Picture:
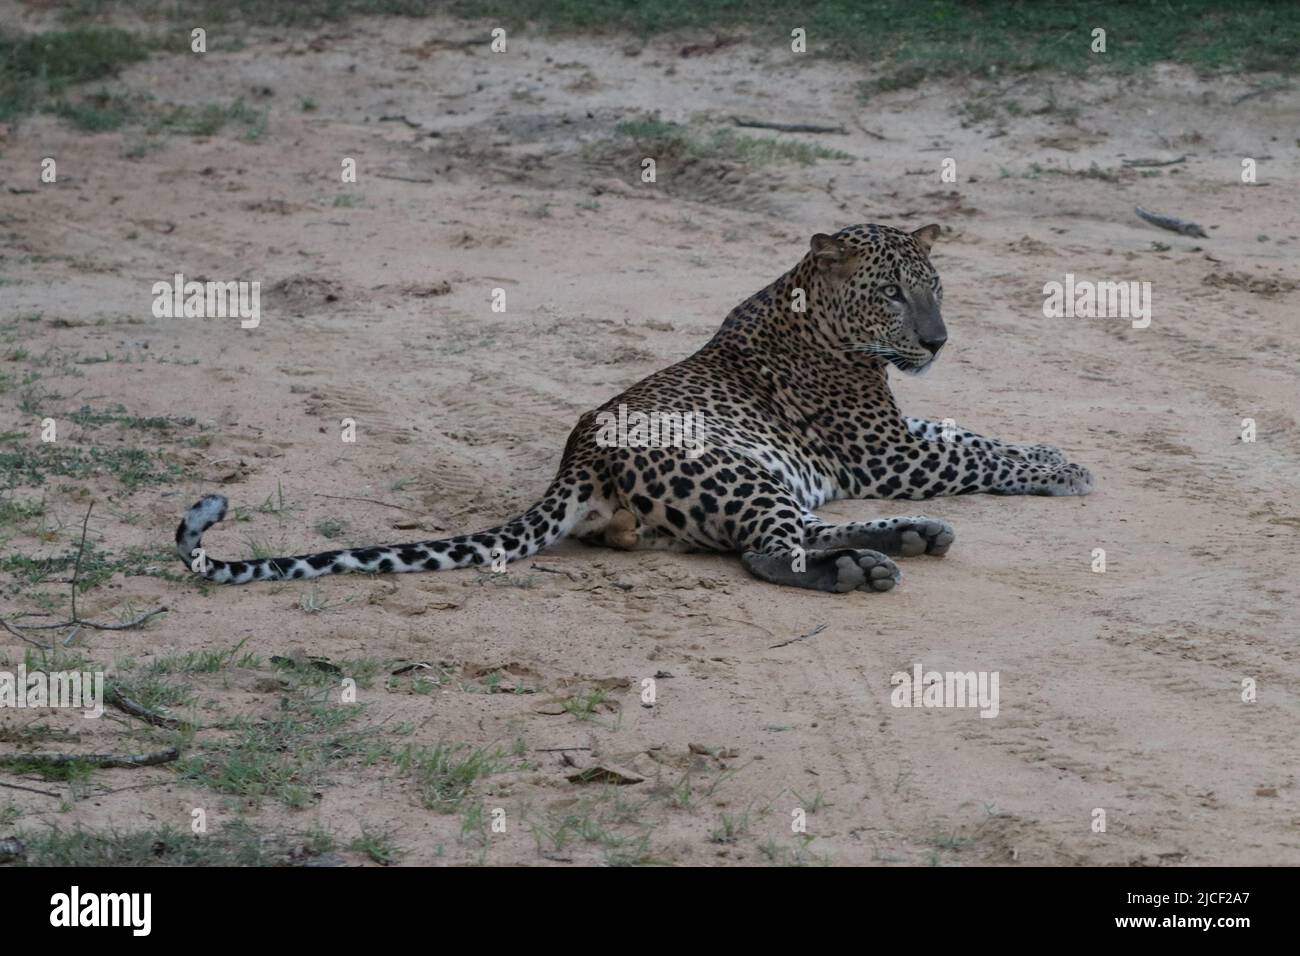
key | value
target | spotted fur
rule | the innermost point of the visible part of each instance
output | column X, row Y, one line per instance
column 793, row 396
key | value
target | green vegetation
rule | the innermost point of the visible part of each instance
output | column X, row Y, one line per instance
column 607, row 821
column 915, row 39
column 287, row 757
column 99, row 112
column 587, row 705
column 133, row 467
column 378, row 845
column 37, row 72
column 236, row 844
column 87, row 416
column 96, row 566
column 38, row 68
column 331, row 528
column 210, row 119
column 908, row 40
column 445, row 774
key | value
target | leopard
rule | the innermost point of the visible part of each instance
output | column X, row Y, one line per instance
column 790, row 407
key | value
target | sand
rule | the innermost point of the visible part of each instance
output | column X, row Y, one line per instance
column 1119, row 691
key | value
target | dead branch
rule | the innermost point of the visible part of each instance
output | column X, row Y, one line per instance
column 125, row 626
column 1262, row 91
column 815, row 631
column 18, row 786
column 404, row 179
column 1180, row 226
column 695, row 49
column 124, row 703
column 733, row 620
column 22, row 636
column 371, row 500
column 1154, row 162
column 75, row 622
column 788, row 127
column 94, row 760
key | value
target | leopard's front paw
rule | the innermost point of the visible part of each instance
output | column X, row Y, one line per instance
column 863, row 570
column 926, row 536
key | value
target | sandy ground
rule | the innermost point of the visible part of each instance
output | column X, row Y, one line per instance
column 1119, row 690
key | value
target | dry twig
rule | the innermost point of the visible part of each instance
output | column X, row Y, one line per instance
column 124, row 703
column 94, row 760
column 1154, row 162
column 815, row 631
column 75, row 622
column 1180, row 226
column 788, row 127
column 371, row 500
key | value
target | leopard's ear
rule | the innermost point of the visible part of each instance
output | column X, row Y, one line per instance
column 827, row 251
column 926, row 235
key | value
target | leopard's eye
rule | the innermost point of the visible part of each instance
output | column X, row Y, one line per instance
column 893, row 292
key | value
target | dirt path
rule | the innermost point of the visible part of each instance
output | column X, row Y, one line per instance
column 1119, row 690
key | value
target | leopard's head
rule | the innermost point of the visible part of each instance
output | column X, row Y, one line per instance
column 878, row 297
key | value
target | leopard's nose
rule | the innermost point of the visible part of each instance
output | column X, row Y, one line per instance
column 934, row 344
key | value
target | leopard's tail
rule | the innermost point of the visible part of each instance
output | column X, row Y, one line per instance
column 540, row 526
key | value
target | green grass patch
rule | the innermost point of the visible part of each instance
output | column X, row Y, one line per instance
column 37, row 68
column 607, row 821
column 730, row 828
column 15, row 512
column 236, row 844
column 98, row 113
column 257, row 12
column 40, row 72
column 908, row 40
column 97, row 566
column 154, row 692
column 287, row 757
column 331, row 528
column 74, row 772
column 204, row 662
column 915, row 39
column 446, row 774
column 586, row 705
column 378, row 845
column 31, row 465
column 88, row 417
column 319, row 673
column 210, row 119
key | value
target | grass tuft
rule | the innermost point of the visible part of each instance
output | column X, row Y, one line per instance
column 39, row 67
